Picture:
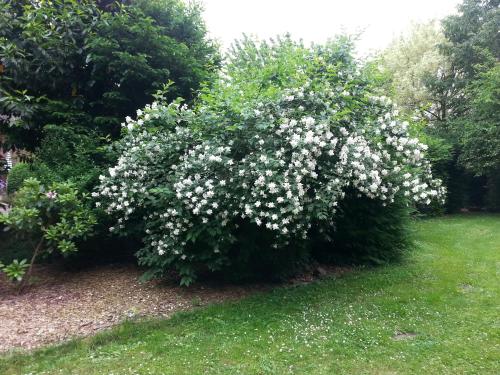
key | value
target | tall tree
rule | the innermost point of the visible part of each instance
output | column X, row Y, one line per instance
column 87, row 64
column 472, row 46
column 410, row 64
column 474, row 50
column 480, row 129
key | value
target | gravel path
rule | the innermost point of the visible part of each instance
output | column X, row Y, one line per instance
column 62, row 305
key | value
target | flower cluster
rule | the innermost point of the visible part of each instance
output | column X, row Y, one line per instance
column 283, row 165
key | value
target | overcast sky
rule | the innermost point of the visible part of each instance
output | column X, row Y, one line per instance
column 318, row 20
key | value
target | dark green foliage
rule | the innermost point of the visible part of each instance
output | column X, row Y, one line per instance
column 479, row 130
column 366, row 232
column 14, row 246
column 493, row 191
column 138, row 49
column 469, row 98
column 473, row 35
column 72, row 70
column 65, row 154
column 42, row 47
column 73, row 154
column 69, row 63
column 472, row 47
column 18, row 173
column 22, row 171
column 464, row 190
column 474, row 50
column 252, row 256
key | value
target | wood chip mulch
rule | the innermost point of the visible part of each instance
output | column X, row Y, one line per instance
column 62, row 305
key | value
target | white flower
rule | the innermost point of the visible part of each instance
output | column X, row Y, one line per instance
column 309, row 137
column 281, row 177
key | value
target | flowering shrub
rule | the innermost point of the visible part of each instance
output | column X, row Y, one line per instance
column 272, row 147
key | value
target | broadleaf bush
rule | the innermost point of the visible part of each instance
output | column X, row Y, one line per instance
column 254, row 173
column 53, row 218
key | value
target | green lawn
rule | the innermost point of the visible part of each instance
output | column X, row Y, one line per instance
column 445, row 297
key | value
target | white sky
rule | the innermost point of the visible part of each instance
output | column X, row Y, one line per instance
column 318, row 20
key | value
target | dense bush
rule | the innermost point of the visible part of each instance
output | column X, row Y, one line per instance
column 57, row 214
column 366, row 232
column 24, row 170
column 73, row 154
column 268, row 153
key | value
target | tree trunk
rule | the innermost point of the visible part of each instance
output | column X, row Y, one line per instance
column 27, row 276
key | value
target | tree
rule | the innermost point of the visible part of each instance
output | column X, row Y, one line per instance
column 474, row 49
column 429, row 69
column 442, row 74
column 410, row 64
column 81, row 64
column 406, row 72
column 473, row 37
column 472, row 46
column 480, row 138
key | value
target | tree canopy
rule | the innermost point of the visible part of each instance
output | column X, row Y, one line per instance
column 409, row 63
column 88, row 64
column 448, row 74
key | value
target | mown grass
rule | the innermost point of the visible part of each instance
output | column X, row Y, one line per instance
column 443, row 301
